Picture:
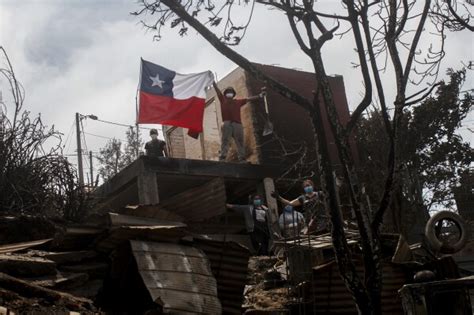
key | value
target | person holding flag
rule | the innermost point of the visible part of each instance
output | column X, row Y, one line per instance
column 231, row 121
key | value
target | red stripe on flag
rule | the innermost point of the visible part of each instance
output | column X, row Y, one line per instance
column 155, row 109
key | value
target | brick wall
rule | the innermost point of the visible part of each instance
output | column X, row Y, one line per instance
column 211, row 133
column 175, row 142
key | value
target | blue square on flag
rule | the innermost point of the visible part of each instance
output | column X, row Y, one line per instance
column 156, row 79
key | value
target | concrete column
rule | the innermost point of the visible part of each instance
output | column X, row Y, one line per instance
column 147, row 188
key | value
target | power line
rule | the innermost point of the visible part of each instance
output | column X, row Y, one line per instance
column 120, row 124
column 68, row 138
column 103, row 137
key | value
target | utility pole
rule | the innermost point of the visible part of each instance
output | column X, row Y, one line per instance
column 92, row 168
column 79, row 150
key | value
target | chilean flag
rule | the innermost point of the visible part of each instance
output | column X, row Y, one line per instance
column 170, row 98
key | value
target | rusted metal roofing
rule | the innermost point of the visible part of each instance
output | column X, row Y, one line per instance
column 332, row 296
column 199, row 203
column 178, row 277
column 229, row 264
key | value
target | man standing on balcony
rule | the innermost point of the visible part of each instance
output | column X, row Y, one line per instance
column 155, row 147
column 232, row 123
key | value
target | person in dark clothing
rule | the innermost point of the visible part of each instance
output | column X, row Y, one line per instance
column 313, row 208
column 155, row 147
column 256, row 222
column 232, row 124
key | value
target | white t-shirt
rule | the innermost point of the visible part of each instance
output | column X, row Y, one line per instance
column 260, row 215
column 291, row 221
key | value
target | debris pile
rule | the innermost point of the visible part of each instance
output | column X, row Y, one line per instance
column 305, row 278
column 123, row 263
column 266, row 290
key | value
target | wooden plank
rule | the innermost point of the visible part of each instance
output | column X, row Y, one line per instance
column 272, row 203
column 10, row 248
column 70, row 257
column 152, row 211
column 54, row 297
column 207, row 168
column 116, row 219
column 24, row 266
column 61, row 280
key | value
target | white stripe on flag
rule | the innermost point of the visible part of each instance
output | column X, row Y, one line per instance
column 189, row 85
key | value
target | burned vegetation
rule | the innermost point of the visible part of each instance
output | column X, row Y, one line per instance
column 35, row 178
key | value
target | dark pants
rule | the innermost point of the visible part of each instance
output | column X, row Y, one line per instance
column 259, row 238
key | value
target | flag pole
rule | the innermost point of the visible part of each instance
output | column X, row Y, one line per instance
column 137, row 152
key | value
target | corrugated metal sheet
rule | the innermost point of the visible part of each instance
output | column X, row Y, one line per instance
column 229, row 264
column 333, row 297
column 199, row 203
column 178, row 277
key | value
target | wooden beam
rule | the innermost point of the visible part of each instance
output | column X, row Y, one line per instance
column 269, row 187
column 207, row 168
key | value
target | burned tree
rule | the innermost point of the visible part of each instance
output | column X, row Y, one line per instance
column 385, row 33
column 35, row 178
column 432, row 158
column 113, row 157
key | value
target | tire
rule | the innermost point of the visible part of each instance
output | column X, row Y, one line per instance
column 439, row 246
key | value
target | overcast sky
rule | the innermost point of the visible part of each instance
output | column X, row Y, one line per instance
column 83, row 56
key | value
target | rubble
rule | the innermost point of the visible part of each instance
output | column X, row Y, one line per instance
column 20, row 265
column 257, row 296
column 130, row 264
column 48, row 297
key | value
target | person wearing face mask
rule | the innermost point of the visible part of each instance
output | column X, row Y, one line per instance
column 313, row 208
column 255, row 216
column 291, row 222
column 155, row 147
column 232, row 123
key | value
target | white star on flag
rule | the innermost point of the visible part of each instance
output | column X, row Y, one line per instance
column 156, row 81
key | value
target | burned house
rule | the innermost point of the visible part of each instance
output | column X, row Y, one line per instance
column 293, row 134
column 192, row 187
